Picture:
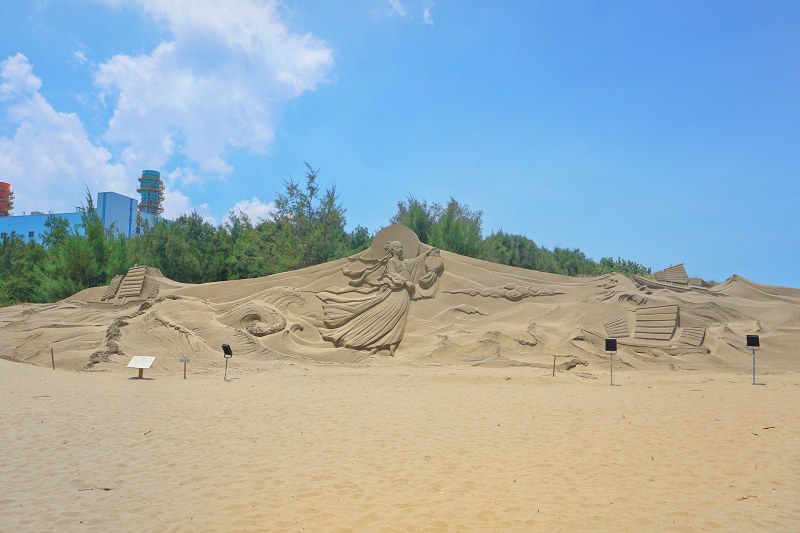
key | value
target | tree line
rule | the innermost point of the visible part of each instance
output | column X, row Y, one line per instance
column 307, row 228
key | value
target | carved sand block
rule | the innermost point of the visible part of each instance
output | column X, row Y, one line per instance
column 673, row 278
column 617, row 329
column 693, row 336
column 674, row 274
column 656, row 322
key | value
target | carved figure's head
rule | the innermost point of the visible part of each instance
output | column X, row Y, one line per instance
column 395, row 248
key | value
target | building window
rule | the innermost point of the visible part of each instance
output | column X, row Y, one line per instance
column 30, row 235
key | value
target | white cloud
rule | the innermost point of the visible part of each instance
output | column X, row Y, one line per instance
column 423, row 7
column 427, row 16
column 49, row 158
column 219, row 84
column 255, row 209
column 398, row 7
column 17, row 79
column 176, row 203
column 79, row 56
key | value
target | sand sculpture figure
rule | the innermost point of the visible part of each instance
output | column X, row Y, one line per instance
column 371, row 313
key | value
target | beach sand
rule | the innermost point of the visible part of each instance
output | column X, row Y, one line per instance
column 287, row 446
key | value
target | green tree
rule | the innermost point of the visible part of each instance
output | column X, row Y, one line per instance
column 310, row 227
column 457, row 229
column 607, row 265
column 359, row 239
column 56, row 231
column 417, row 215
column 166, row 246
column 75, row 259
column 20, row 269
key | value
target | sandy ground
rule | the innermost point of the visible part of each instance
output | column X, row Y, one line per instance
column 290, row 447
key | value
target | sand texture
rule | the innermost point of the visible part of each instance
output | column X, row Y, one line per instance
column 292, row 447
column 494, row 413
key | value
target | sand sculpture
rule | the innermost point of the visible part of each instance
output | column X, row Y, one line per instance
column 417, row 303
column 372, row 315
column 137, row 284
column 673, row 278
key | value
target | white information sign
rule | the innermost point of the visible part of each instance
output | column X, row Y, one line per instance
column 141, row 361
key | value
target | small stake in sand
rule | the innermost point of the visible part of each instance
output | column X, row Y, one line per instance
column 754, row 344
column 226, row 350
column 183, row 359
column 141, row 362
column 554, row 365
column 611, row 349
column 53, row 358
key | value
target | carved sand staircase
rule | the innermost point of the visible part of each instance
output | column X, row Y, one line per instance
column 112, row 288
column 133, row 283
column 136, row 285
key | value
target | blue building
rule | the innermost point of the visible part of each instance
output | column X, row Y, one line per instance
column 32, row 226
column 118, row 212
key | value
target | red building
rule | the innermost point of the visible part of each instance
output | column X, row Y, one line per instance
column 6, row 199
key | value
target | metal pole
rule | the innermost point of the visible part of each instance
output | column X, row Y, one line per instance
column 226, row 370
column 754, row 366
column 612, row 368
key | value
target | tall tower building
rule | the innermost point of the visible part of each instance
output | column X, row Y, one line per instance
column 6, row 199
column 152, row 190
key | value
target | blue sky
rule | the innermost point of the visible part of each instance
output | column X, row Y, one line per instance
column 662, row 132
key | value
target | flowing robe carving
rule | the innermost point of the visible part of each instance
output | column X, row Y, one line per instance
column 373, row 316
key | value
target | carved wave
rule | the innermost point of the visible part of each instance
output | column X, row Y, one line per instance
column 509, row 291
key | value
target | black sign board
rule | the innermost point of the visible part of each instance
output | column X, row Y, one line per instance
column 611, row 345
column 226, row 349
column 752, row 341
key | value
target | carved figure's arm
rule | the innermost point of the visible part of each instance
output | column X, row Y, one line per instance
column 395, row 277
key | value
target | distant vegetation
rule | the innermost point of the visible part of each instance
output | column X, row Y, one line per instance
column 308, row 228
column 456, row 228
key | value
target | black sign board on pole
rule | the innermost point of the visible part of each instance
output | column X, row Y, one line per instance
column 611, row 349
column 611, row 345
column 753, row 342
column 226, row 350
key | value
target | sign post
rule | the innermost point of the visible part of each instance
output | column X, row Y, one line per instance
column 754, row 344
column 611, row 349
column 228, row 353
column 141, row 362
column 184, row 360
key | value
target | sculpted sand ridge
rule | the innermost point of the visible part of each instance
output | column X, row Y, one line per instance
column 405, row 299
